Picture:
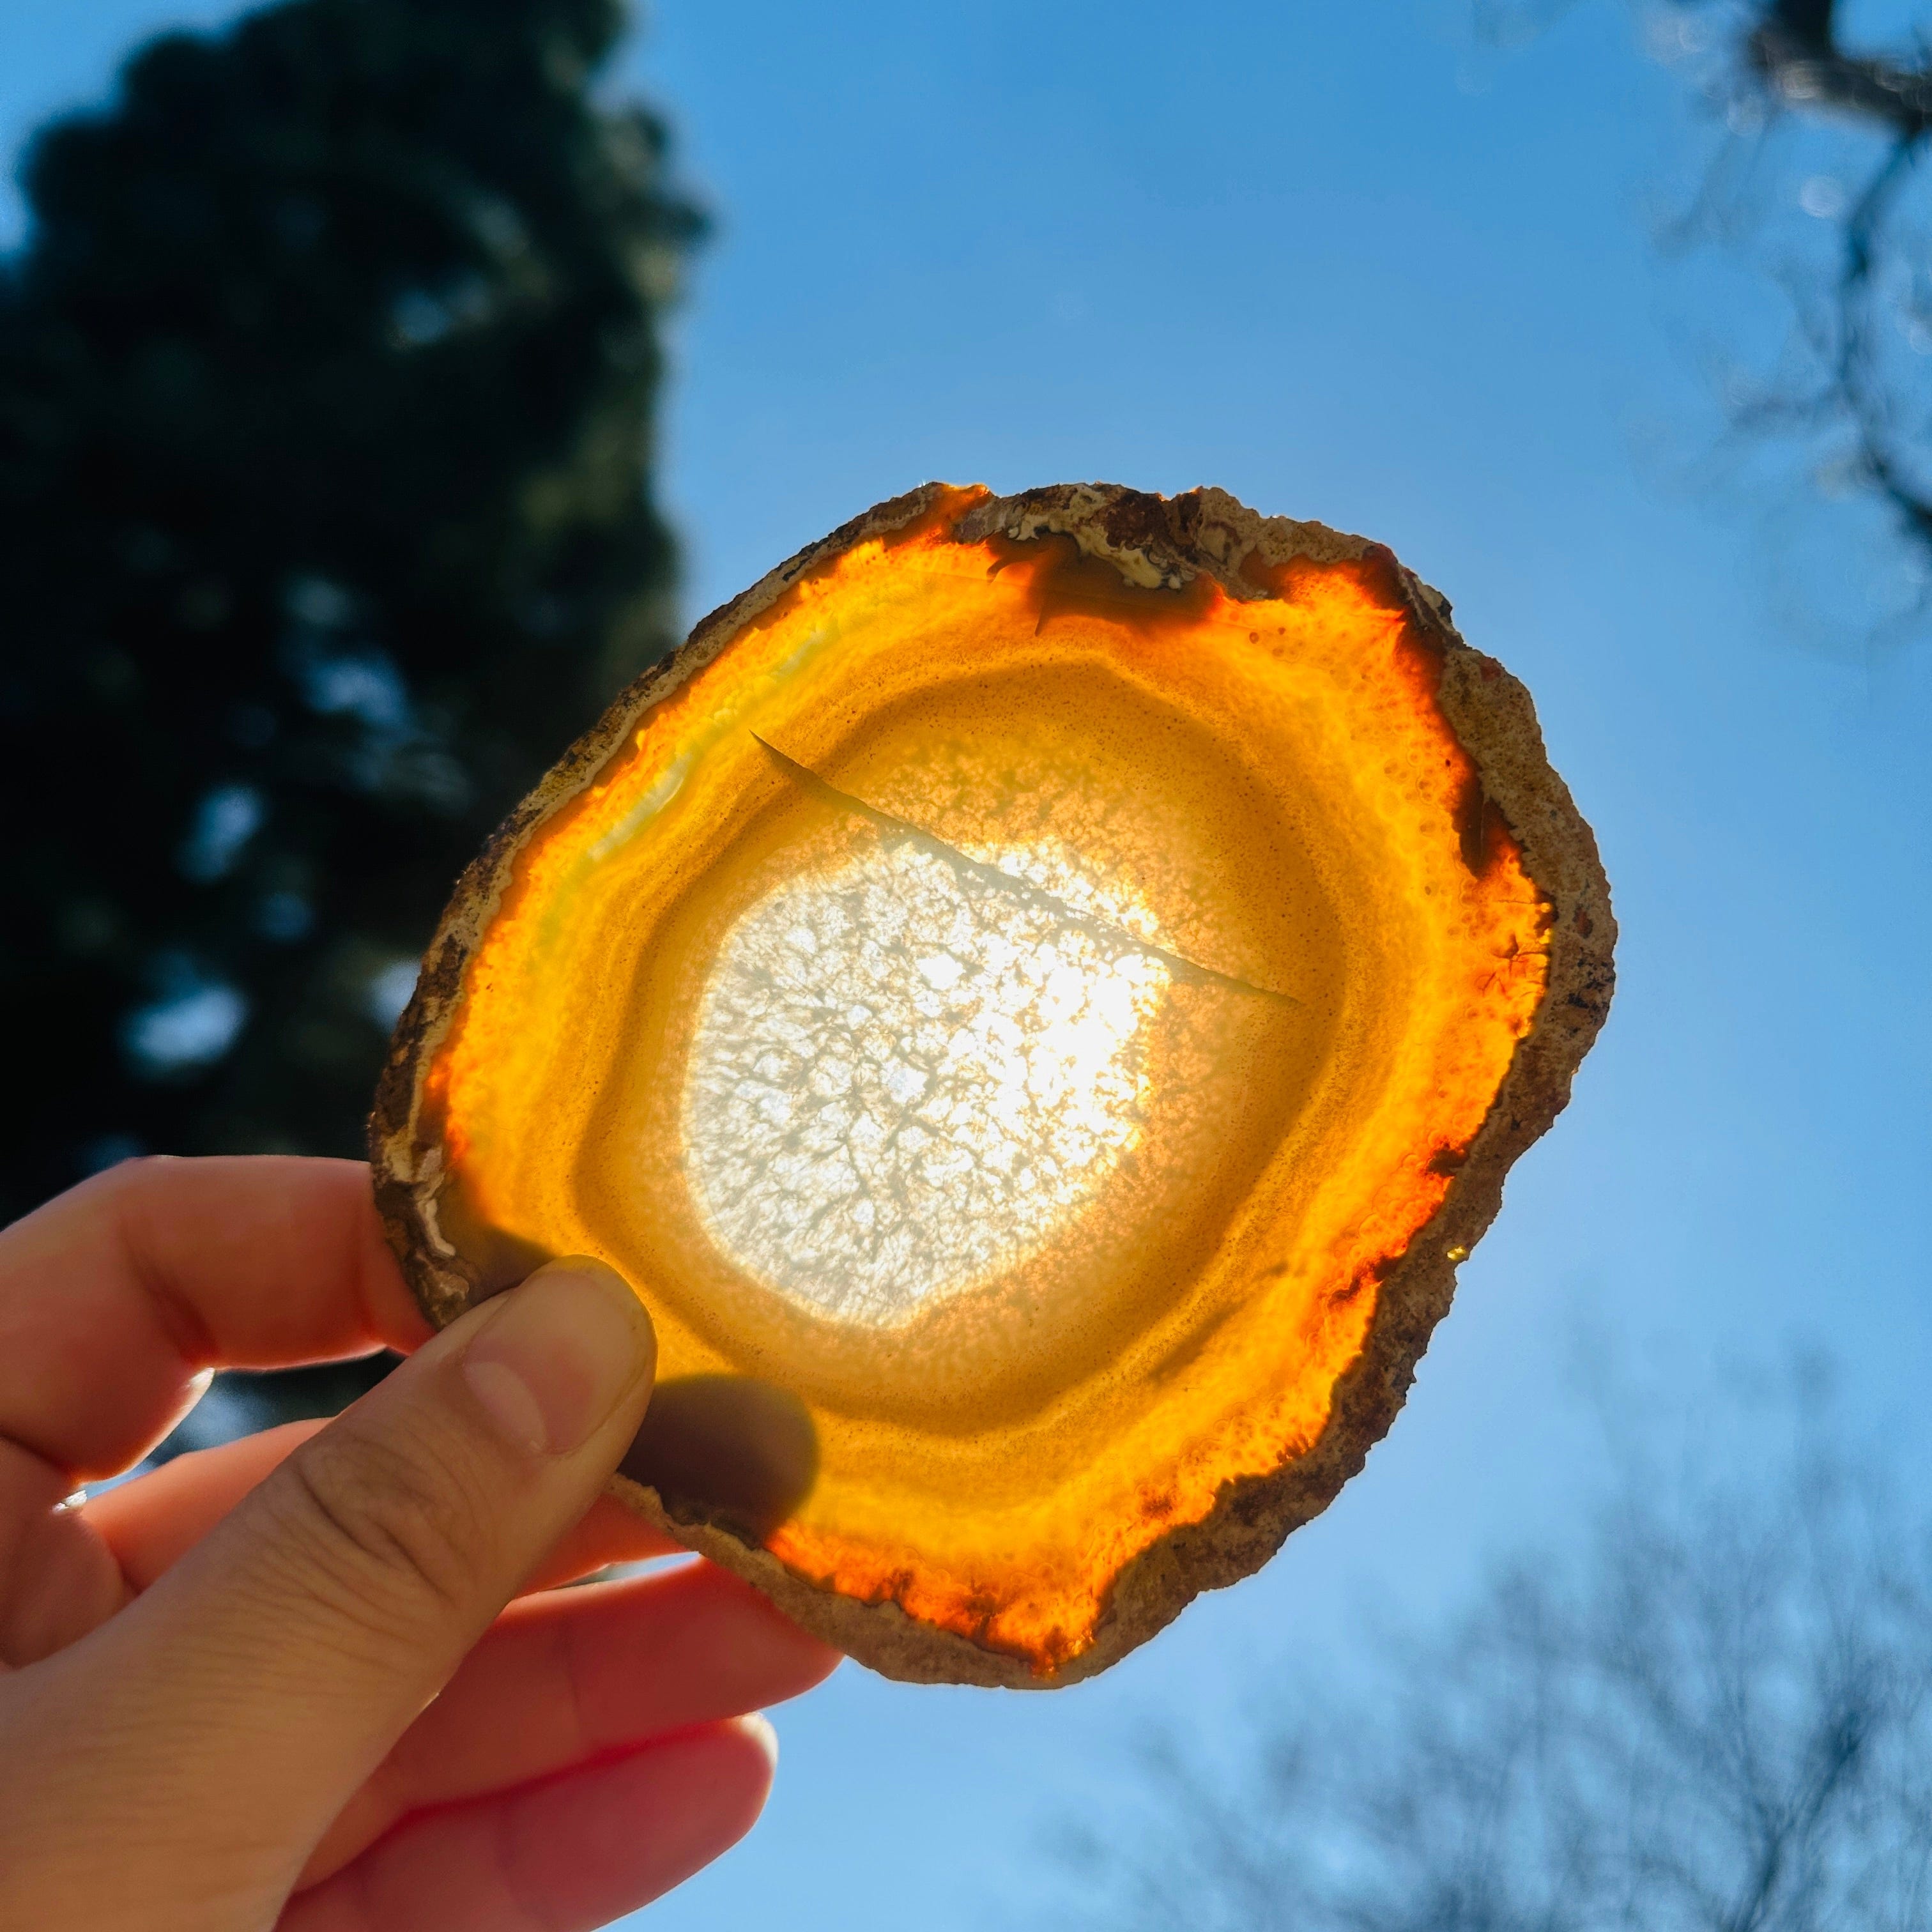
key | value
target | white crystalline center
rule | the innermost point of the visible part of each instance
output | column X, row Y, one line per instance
column 907, row 1074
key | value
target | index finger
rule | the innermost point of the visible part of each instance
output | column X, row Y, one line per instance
column 114, row 1296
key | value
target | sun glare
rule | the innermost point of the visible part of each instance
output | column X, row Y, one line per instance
column 908, row 1074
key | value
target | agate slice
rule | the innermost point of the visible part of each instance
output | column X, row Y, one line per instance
column 1038, row 995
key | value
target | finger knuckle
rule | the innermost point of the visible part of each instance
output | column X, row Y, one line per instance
column 381, row 1526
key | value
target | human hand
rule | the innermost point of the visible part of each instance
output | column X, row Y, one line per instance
column 275, row 1684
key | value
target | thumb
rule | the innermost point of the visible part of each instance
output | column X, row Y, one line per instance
column 271, row 1670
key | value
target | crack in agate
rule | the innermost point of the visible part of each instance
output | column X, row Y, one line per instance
column 1053, row 876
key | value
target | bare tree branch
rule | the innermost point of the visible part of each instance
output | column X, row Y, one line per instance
column 1719, row 1719
column 1795, row 50
column 1853, row 387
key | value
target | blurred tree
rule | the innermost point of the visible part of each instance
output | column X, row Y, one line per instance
column 327, row 373
column 1718, row 1719
column 1820, row 165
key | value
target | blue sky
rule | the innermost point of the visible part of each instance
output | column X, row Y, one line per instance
column 1342, row 263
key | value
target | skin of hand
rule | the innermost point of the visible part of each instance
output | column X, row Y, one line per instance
column 320, row 1679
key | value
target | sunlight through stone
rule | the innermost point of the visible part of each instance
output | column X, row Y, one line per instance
column 907, row 1074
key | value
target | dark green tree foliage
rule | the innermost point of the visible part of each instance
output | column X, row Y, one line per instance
column 326, row 376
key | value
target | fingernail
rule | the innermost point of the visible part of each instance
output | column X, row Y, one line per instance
column 550, row 1368
column 757, row 1726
